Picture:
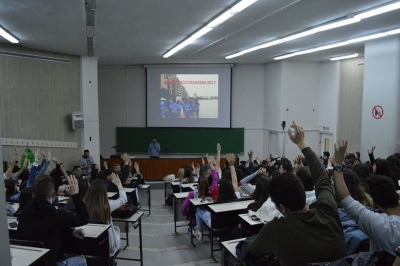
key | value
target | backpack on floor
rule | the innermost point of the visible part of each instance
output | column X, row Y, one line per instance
column 246, row 259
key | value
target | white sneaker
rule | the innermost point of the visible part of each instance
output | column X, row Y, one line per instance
column 198, row 234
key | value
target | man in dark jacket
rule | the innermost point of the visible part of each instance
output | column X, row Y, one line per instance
column 40, row 221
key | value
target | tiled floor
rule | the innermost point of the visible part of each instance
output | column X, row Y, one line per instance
column 160, row 244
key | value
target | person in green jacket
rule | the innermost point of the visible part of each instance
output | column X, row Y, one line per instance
column 305, row 234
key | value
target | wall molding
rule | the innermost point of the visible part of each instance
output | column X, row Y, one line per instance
column 39, row 143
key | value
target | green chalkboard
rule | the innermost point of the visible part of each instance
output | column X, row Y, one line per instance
column 181, row 140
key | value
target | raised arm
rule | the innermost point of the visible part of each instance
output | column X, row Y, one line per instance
column 12, row 164
column 218, row 161
column 25, row 156
column 115, row 204
column 340, row 186
column 371, row 155
column 250, row 162
column 231, row 160
column 323, row 189
column 245, row 181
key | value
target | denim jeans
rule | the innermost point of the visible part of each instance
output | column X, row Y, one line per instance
column 73, row 261
column 202, row 216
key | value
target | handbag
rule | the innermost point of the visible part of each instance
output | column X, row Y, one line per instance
column 124, row 211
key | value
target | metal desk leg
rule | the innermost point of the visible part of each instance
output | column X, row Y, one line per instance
column 127, row 234
column 140, row 241
column 148, row 191
column 191, row 228
column 174, row 209
column 165, row 193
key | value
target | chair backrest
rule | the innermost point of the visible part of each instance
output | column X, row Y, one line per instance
column 28, row 243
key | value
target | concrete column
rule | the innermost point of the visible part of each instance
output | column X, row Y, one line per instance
column 4, row 241
column 90, row 107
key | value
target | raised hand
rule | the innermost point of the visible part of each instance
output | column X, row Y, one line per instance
column 250, row 154
column 55, row 160
column 25, row 155
column 105, row 165
column 261, row 170
column 38, row 156
column 116, row 181
column 299, row 160
column 339, row 153
column 73, row 185
column 297, row 137
column 49, row 156
column 218, row 148
column 231, row 159
column 372, row 150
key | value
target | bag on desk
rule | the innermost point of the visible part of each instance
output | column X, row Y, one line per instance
column 124, row 211
column 246, row 259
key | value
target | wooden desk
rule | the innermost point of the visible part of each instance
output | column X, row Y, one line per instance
column 228, row 252
column 24, row 255
column 111, row 194
column 136, row 218
column 178, row 198
column 248, row 227
column 155, row 169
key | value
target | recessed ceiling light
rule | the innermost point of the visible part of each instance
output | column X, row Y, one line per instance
column 379, row 10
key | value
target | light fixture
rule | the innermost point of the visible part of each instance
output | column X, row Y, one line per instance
column 8, row 36
column 337, row 24
column 379, row 10
column 214, row 23
column 327, row 26
column 330, row 46
column 343, row 57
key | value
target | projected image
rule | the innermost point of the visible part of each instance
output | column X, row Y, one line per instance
column 188, row 96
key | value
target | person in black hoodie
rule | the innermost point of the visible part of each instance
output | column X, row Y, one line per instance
column 40, row 221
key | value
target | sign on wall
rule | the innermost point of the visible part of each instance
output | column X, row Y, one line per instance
column 377, row 112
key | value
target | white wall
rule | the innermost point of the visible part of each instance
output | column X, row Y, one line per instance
column 248, row 105
column 381, row 87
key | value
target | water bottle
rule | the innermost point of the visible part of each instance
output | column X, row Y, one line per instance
column 196, row 193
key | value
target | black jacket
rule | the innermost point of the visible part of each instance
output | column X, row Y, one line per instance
column 40, row 221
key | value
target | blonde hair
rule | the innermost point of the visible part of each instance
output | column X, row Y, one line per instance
column 96, row 202
column 180, row 173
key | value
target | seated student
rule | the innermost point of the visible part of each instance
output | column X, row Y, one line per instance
column 305, row 234
column 260, row 194
column 204, row 189
column 303, row 172
column 382, row 229
column 40, row 221
column 100, row 208
column 24, row 199
column 69, row 207
column 228, row 191
column 8, row 174
column 11, row 188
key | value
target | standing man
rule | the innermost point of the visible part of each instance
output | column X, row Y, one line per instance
column 86, row 162
column 154, row 148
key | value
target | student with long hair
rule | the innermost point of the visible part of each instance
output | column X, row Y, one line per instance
column 100, row 207
column 355, row 187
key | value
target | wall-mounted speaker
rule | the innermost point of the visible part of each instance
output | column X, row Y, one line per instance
column 77, row 120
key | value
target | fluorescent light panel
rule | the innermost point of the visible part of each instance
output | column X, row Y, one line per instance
column 330, row 46
column 378, row 11
column 343, row 57
column 328, row 26
column 214, row 23
column 8, row 36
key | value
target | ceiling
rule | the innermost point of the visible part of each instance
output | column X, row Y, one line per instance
column 131, row 32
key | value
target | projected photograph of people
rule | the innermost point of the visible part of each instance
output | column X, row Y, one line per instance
column 188, row 96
